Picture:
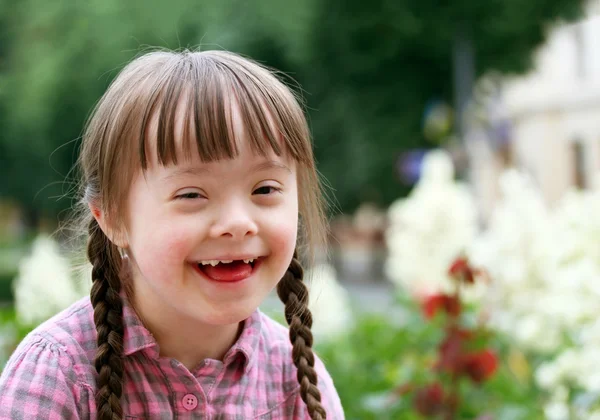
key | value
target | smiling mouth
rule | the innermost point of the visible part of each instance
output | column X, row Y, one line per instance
column 228, row 270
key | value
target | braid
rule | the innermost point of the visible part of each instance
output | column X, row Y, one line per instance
column 108, row 317
column 293, row 293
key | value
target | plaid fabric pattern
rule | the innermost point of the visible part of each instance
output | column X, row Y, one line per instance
column 51, row 375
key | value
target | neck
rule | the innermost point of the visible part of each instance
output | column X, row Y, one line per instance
column 190, row 342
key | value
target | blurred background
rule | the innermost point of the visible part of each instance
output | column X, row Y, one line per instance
column 460, row 142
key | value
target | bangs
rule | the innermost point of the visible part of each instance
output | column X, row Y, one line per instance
column 190, row 111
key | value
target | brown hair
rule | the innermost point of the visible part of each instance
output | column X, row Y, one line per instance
column 115, row 147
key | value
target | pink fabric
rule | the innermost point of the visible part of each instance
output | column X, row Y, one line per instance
column 51, row 375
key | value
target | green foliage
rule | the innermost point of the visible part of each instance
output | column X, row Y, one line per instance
column 61, row 57
column 6, row 290
column 11, row 252
column 11, row 333
column 383, row 353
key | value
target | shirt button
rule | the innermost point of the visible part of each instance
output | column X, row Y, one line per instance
column 190, row 402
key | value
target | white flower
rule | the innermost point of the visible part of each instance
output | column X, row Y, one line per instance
column 548, row 376
column 329, row 302
column 44, row 285
column 430, row 228
column 545, row 267
column 516, row 252
column 557, row 411
column 532, row 330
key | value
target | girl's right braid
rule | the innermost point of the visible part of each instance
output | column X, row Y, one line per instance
column 108, row 317
column 294, row 294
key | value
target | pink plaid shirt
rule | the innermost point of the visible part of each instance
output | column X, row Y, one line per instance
column 51, row 375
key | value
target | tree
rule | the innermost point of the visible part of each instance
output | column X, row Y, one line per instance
column 371, row 67
column 58, row 59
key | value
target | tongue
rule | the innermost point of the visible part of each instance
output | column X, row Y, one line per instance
column 237, row 270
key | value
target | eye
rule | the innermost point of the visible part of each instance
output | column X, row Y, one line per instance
column 266, row 190
column 189, row 195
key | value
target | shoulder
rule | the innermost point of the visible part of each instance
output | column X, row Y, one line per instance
column 329, row 395
column 277, row 345
column 70, row 335
column 47, row 374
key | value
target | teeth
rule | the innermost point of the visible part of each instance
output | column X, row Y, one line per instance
column 216, row 262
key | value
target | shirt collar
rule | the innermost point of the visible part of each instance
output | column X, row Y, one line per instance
column 247, row 345
column 137, row 338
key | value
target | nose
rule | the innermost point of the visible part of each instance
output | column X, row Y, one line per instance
column 233, row 221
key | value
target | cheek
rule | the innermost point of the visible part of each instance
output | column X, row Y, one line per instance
column 169, row 244
column 282, row 237
column 159, row 241
column 162, row 249
column 283, row 226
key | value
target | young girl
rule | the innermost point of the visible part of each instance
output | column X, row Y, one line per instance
column 198, row 174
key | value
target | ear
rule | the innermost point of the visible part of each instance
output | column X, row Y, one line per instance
column 115, row 235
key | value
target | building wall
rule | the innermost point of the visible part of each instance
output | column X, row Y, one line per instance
column 554, row 113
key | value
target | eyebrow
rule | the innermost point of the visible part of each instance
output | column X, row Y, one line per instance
column 194, row 170
column 270, row 164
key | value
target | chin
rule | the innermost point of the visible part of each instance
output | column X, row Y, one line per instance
column 226, row 317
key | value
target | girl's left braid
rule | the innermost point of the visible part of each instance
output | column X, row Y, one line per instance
column 294, row 294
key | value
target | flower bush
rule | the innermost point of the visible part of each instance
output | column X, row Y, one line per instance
column 545, row 263
column 463, row 352
column 433, row 358
column 543, row 267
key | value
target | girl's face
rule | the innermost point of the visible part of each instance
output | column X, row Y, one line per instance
column 182, row 219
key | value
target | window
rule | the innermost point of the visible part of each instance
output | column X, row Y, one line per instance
column 578, row 159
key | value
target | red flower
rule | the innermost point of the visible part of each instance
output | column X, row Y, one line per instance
column 451, row 358
column 480, row 366
column 449, row 304
column 429, row 400
column 462, row 271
